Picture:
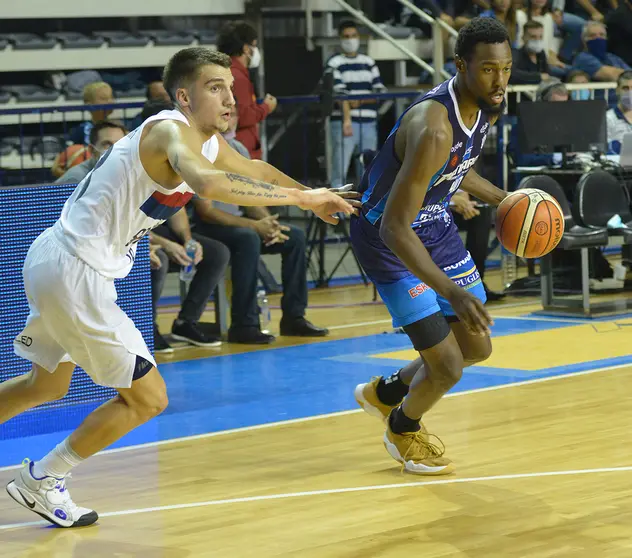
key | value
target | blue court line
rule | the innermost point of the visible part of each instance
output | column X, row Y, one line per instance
column 233, row 391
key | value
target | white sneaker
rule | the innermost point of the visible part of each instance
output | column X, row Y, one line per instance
column 49, row 498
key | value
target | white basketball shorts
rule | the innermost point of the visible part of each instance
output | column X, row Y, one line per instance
column 74, row 317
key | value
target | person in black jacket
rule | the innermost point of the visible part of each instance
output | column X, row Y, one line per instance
column 530, row 65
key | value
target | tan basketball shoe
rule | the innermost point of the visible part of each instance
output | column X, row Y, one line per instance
column 416, row 453
column 366, row 396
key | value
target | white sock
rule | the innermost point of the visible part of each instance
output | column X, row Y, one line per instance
column 58, row 462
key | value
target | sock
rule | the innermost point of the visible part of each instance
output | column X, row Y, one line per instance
column 57, row 463
column 391, row 390
column 400, row 423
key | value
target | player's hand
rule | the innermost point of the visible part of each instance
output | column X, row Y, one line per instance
column 271, row 102
column 199, row 253
column 347, row 129
column 154, row 260
column 268, row 226
column 348, row 194
column 325, row 204
column 471, row 311
column 177, row 253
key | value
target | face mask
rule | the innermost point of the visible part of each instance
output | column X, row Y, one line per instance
column 580, row 95
column 626, row 100
column 229, row 135
column 350, row 45
column 598, row 47
column 255, row 58
column 535, row 45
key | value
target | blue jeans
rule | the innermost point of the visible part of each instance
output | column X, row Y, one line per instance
column 572, row 26
column 364, row 138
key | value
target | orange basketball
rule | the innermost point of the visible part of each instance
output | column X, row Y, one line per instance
column 529, row 223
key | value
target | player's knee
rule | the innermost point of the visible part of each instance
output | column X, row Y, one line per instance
column 478, row 353
column 447, row 371
column 151, row 405
column 43, row 392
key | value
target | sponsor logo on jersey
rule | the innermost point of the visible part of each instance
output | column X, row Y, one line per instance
column 456, row 147
column 418, row 289
column 458, row 264
column 484, row 127
column 461, row 169
column 469, row 151
column 468, row 280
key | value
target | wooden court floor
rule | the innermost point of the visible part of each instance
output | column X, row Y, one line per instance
column 544, row 469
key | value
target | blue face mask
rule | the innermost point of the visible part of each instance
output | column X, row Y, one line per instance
column 580, row 95
column 598, row 47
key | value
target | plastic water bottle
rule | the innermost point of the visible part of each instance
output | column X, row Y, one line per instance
column 188, row 271
column 264, row 310
column 509, row 266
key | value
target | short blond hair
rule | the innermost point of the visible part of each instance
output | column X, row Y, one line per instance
column 89, row 91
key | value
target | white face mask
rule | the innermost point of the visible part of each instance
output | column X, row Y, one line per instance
column 350, row 45
column 255, row 59
column 535, row 45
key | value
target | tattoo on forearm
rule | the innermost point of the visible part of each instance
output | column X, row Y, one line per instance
column 264, row 195
column 245, row 180
column 275, row 182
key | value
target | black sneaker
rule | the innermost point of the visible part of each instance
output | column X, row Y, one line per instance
column 249, row 335
column 300, row 327
column 191, row 333
column 160, row 343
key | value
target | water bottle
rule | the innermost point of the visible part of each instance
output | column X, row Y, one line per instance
column 264, row 310
column 188, row 271
column 509, row 266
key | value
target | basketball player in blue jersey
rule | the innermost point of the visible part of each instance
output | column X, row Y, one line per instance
column 408, row 244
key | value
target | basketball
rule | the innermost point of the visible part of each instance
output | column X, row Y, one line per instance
column 529, row 223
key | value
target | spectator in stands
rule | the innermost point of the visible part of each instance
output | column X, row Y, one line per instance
column 239, row 41
column 103, row 135
column 247, row 237
column 156, row 92
column 538, row 11
column 578, row 76
column 569, row 26
column 353, row 123
column 157, row 100
column 619, row 119
column 595, row 60
column 505, row 12
column 530, row 63
column 595, row 10
column 619, row 24
column 96, row 93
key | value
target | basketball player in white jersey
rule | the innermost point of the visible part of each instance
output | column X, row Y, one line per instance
column 70, row 269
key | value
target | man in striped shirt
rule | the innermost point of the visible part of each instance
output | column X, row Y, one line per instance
column 353, row 123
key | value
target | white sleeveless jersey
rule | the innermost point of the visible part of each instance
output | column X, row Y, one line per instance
column 117, row 203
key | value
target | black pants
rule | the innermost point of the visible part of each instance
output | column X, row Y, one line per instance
column 245, row 247
column 477, row 239
column 208, row 273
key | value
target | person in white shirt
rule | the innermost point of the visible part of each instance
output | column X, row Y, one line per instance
column 619, row 119
column 69, row 272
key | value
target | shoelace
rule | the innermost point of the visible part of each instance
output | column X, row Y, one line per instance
column 424, row 448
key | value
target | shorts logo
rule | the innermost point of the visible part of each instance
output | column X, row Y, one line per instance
column 26, row 340
column 418, row 289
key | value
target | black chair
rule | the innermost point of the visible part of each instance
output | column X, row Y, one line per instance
column 575, row 237
column 598, row 197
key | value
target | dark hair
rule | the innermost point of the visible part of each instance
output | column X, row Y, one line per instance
column 624, row 77
column 479, row 30
column 185, row 65
column 233, row 36
column 532, row 24
column 545, row 8
column 154, row 106
column 103, row 125
column 573, row 74
column 346, row 24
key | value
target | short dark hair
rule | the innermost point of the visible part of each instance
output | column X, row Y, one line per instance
column 532, row 24
column 346, row 24
column 624, row 77
column 154, row 106
column 479, row 30
column 103, row 125
column 185, row 65
column 575, row 73
column 234, row 35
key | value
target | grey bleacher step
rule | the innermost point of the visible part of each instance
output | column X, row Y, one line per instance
column 28, row 41
column 32, row 93
column 122, row 38
column 163, row 37
column 72, row 39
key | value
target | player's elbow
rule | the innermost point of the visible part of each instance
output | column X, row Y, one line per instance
column 390, row 231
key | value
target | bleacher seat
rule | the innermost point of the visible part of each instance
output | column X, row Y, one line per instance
column 32, row 93
column 71, row 39
column 6, row 148
column 29, row 41
column 5, row 96
column 122, row 38
column 46, row 146
column 205, row 36
column 3, row 44
column 168, row 38
column 130, row 92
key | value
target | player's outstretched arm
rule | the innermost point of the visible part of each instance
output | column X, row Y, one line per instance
column 181, row 149
column 484, row 190
column 423, row 144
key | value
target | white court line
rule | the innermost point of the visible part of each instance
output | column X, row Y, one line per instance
column 328, row 491
column 340, row 413
column 360, row 324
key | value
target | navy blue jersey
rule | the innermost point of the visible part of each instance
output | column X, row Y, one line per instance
column 466, row 148
column 433, row 223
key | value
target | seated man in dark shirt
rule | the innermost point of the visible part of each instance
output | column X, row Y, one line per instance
column 530, row 65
